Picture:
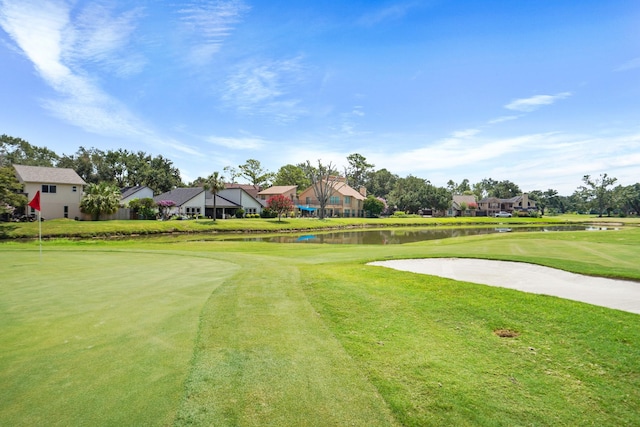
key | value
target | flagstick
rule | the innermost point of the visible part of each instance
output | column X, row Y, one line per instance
column 40, row 233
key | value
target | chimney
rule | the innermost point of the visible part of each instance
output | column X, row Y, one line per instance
column 363, row 190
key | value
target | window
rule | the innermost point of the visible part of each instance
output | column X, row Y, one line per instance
column 66, row 211
column 347, row 200
column 334, row 200
column 74, row 189
column 193, row 211
column 347, row 212
column 308, row 200
column 48, row 188
column 251, row 211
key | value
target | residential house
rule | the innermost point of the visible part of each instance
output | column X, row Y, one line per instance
column 290, row 191
column 128, row 194
column 60, row 189
column 490, row 206
column 463, row 205
column 343, row 201
column 241, row 199
column 188, row 201
column 249, row 188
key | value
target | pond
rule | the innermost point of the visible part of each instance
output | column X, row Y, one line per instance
column 399, row 236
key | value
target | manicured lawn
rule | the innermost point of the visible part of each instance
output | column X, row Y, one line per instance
column 227, row 333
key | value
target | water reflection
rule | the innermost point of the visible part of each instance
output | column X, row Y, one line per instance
column 393, row 236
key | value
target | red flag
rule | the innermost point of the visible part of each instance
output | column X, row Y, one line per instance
column 35, row 202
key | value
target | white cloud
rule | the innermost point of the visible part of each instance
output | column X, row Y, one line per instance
column 535, row 102
column 629, row 65
column 206, row 23
column 57, row 46
column 502, row 119
column 265, row 88
column 242, row 143
column 467, row 133
column 394, row 12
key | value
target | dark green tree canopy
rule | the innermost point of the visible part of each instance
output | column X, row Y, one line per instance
column 292, row 175
column 17, row 151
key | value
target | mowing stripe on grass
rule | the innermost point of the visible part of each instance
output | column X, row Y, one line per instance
column 264, row 357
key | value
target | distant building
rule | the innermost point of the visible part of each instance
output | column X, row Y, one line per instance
column 490, row 206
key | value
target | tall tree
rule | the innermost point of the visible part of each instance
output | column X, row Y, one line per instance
column 17, row 151
column 99, row 199
column 631, row 198
column 455, row 188
column 544, row 199
column 323, row 180
column 232, row 173
column 358, row 170
column 381, row 183
column 596, row 191
column 215, row 184
column 292, row 175
column 410, row 194
column 258, row 177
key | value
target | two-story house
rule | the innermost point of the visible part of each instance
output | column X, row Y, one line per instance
column 344, row 201
column 60, row 189
column 492, row 205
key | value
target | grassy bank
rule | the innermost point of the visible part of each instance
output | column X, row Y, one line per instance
column 226, row 333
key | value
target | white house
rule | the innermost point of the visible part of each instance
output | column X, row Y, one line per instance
column 60, row 190
column 128, row 194
column 242, row 198
column 187, row 201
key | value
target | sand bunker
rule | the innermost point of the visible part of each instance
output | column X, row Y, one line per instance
column 619, row 294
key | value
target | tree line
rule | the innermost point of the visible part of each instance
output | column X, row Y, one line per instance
column 124, row 168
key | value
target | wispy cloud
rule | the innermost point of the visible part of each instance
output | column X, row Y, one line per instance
column 60, row 48
column 535, row 102
column 629, row 65
column 206, row 23
column 265, row 88
column 502, row 119
column 102, row 36
column 467, row 133
column 389, row 13
column 241, row 143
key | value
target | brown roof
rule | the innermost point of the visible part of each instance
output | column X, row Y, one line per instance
column 249, row 188
column 48, row 175
column 279, row 189
column 346, row 190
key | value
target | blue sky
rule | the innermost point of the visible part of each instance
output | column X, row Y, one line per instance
column 538, row 92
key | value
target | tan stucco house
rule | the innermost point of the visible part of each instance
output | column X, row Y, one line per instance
column 60, row 190
column 344, row 201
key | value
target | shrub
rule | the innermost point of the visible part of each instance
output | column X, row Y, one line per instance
column 268, row 213
column 240, row 213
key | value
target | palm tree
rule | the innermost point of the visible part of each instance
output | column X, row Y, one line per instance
column 101, row 198
column 215, row 184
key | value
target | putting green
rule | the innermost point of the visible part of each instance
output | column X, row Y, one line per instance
column 101, row 338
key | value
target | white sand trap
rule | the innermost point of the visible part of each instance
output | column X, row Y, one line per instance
column 619, row 294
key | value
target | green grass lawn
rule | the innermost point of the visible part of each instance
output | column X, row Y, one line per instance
column 229, row 333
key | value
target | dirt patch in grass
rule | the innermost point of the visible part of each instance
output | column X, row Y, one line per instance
column 506, row 333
